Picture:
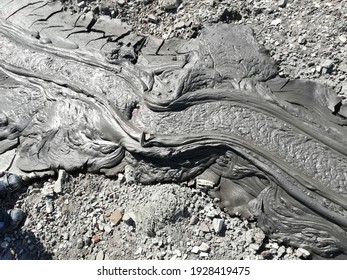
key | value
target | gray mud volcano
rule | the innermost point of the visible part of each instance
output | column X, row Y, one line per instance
column 87, row 94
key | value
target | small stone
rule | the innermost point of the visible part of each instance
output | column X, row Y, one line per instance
column 121, row 2
column 204, row 184
column 204, row 247
column 179, row 25
column 129, row 218
column 100, row 256
column 211, row 2
column 81, row 4
column 79, row 243
column 343, row 38
column 301, row 252
column 178, row 253
column 282, row 3
column 208, row 236
column 107, row 229
column 116, row 217
column 58, row 186
column 95, row 239
column 281, row 250
column 203, row 255
column 169, row 4
column 47, row 191
column 218, row 225
column 66, row 236
column 211, row 213
column 302, row 40
column 327, row 64
column 276, row 21
column 152, row 18
column 195, row 250
column 139, row 251
column 319, row 69
column 49, row 207
column 254, row 247
column 204, row 227
column 45, row 41
column 194, row 220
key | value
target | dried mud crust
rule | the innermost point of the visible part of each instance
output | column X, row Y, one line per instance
column 243, row 174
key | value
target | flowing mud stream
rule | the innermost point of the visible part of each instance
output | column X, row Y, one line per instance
column 211, row 108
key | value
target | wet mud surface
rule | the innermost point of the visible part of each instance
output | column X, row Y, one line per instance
column 87, row 94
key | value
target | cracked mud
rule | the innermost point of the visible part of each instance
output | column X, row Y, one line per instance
column 88, row 94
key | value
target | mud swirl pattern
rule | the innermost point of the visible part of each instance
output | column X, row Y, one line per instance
column 211, row 108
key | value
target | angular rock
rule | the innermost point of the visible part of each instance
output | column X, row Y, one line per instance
column 100, row 256
column 218, row 225
column 195, row 250
column 204, row 228
column 129, row 218
column 58, row 186
column 204, row 247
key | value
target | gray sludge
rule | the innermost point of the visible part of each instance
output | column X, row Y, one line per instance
column 212, row 107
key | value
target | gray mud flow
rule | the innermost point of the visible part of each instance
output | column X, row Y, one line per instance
column 89, row 94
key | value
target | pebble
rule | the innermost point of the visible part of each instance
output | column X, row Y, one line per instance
column 168, row 4
column 343, row 38
column 195, row 250
column 282, row 3
column 100, row 255
column 49, row 207
column 327, row 64
column 301, row 252
column 47, row 190
column 58, row 186
column 116, row 217
column 254, row 247
column 107, row 229
column 204, row 247
column 129, row 218
column 302, row 40
column 203, row 255
column 194, row 220
column 276, row 21
column 218, row 225
column 204, row 228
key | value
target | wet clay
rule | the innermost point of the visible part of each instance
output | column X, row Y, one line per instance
column 75, row 98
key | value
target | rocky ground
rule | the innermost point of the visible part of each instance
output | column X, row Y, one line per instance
column 83, row 216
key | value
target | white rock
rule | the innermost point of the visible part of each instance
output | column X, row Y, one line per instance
column 302, row 252
column 204, row 247
column 276, row 21
column 58, row 186
column 343, row 38
column 49, row 206
column 100, row 256
column 218, row 225
column 203, row 255
column 178, row 253
column 195, row 250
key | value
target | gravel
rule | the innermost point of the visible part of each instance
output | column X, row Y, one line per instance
column 85, row 216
